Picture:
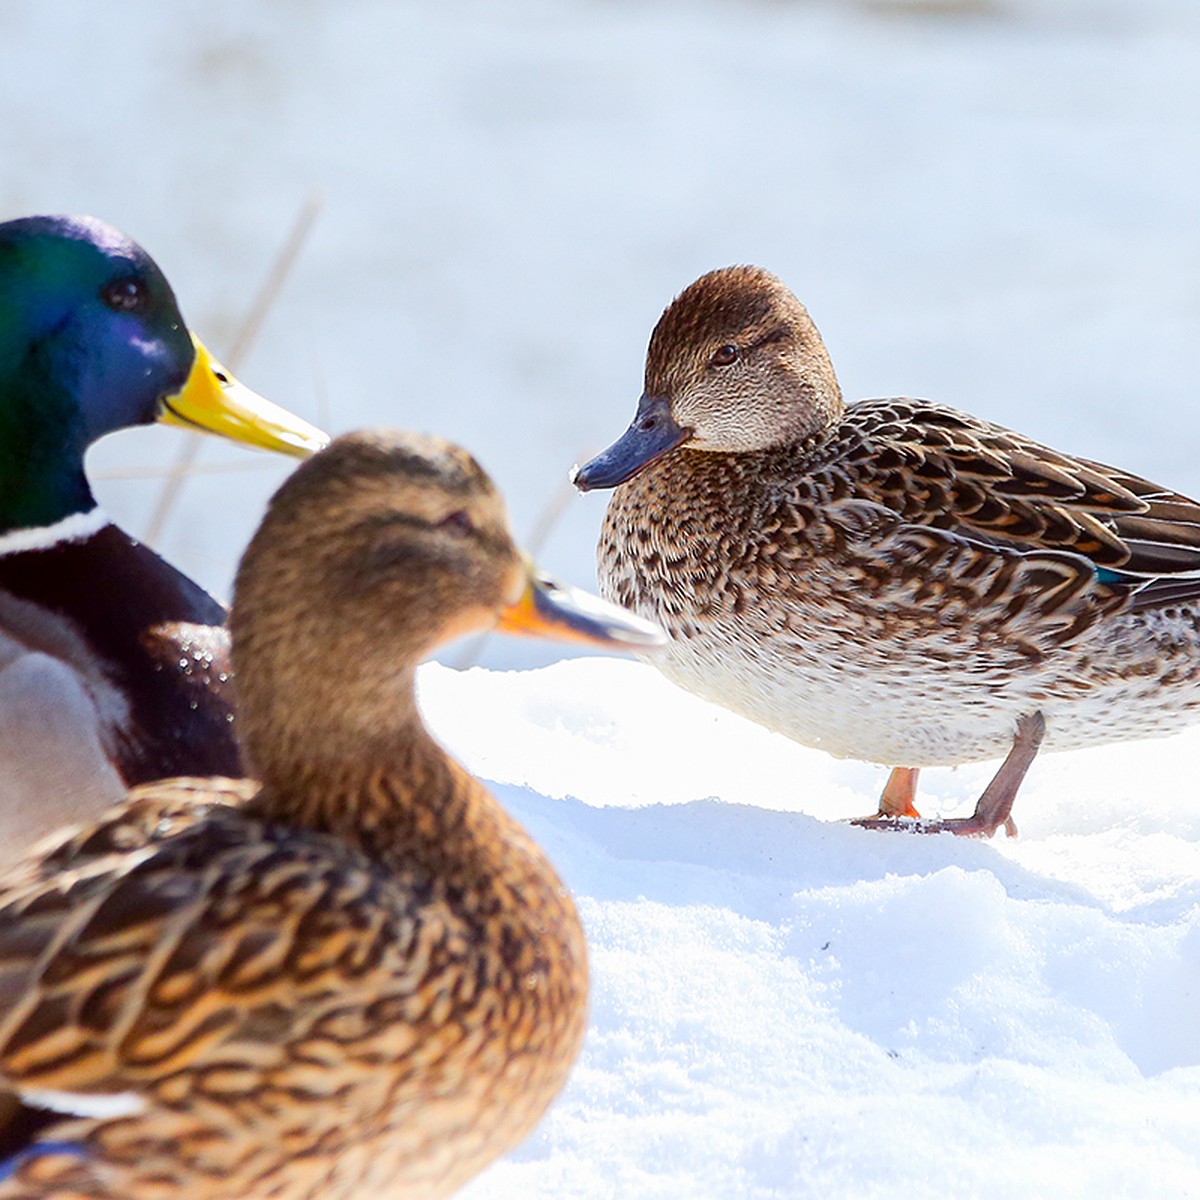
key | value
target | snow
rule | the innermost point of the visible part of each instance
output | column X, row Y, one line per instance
column 989, row 202
column 786, row 1006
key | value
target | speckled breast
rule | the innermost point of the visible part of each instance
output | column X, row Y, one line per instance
column 784, row 611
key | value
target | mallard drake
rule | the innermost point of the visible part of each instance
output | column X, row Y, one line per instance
column 361, row 978
column 113, row 665
column 894, row 581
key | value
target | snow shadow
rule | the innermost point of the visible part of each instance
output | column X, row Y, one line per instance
column 931, row 945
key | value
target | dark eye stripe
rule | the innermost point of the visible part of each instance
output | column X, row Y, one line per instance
column 778, row 334
column 457, row 522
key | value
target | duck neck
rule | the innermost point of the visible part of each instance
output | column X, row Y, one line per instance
column 384, row 786
column 42, row 444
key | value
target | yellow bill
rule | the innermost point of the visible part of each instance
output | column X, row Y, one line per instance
column 212, row 400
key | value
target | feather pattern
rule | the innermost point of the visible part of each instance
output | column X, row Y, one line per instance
column 937, row 467
column 236, row 974
column 892, row 580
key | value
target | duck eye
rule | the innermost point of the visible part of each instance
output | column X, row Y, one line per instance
column 726, row 356
column 125, row 295
column 457, row 523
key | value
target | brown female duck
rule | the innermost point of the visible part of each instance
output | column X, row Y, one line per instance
column 894, row 581
column 358, row 978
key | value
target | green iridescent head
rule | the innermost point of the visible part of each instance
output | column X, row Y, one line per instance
column 91, row 341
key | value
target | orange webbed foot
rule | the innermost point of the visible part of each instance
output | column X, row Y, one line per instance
column 994, row 809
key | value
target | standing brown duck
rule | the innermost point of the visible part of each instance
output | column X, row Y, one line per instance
column 895, row 580
column 358, row 978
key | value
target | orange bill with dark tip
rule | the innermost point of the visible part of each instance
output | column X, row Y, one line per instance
column 549, row 610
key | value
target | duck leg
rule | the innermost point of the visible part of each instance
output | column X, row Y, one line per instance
column 899, row 797
column 995, row 805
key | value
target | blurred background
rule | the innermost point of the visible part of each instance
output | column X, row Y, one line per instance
column 992, row 203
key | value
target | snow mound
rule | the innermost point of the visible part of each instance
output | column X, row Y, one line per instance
column 786, row 1006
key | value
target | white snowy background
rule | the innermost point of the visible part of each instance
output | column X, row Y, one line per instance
column 995, row 203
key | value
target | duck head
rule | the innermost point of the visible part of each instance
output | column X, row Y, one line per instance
column 372, row 554
column 735, row 365
column 91, row 341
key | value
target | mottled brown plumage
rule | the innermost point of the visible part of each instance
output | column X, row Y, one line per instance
column 361, row 978
column 894, row 580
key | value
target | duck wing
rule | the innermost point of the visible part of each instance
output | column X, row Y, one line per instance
column 55, row 765
column 942, row 469
column 179, row 944
column 114, row 671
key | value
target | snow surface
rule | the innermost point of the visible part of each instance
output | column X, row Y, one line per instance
column 785, row 1006
column 990, row 202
